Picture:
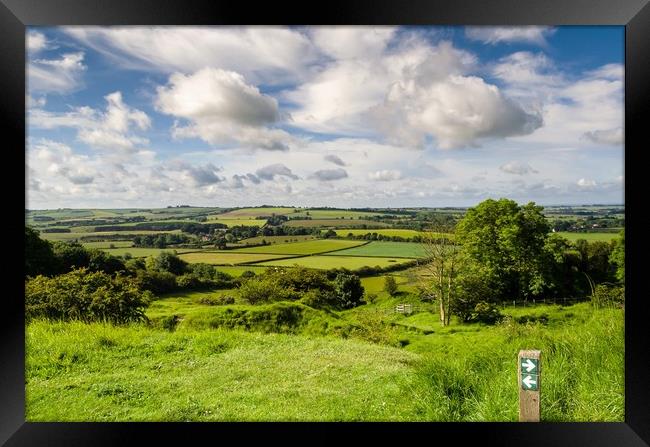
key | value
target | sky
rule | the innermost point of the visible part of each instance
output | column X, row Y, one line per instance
column 344, row 116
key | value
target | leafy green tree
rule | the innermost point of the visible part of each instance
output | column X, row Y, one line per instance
column 507, row 240
column 440, row 271
column 39, row 256
column 617, row 257
column 166, row 262
column 390, row 285
column 348, row 290
column 101, row 261
column 70, row 255
column 86, row 296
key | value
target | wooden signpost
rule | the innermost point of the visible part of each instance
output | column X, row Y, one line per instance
column 529, row 373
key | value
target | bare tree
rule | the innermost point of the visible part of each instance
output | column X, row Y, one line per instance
column 437, row 275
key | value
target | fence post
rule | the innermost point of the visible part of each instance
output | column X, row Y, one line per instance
column 529, row 372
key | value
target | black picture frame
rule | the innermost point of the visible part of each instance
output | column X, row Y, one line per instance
column 15, row 15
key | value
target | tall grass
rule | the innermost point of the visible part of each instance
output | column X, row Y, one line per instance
column 582, row 371
column 97, row 372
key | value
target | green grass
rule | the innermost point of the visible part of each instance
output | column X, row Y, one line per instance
column 331, row 262
column 383, row 231
column 78, row 372
column 277, row 239
column 606, row 237
column 239, row 222
column 97, row 372
column 334, row 214
column 230, row 257
column 107, row 244
column 254, row 212
column 385, row 249
column 141, row 252
column 102, row 234
column 334, row 223
column 303, row 248
column 238, row 270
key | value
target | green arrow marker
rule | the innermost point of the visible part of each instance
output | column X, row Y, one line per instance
column 529, row 366
column 529, row 382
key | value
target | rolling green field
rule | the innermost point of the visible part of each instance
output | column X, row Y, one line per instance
column 303, row 248
column 238, row 270
column 107, row 244
column 227, row 257
column 239, row 222
column 334, row 223
column 277, row 239
column 330, row 262
column 334, row 214
column 384, row 232
column 385, row 249
column 103, row 234
column 141, row 252
column 245, row 213
column 606, row 237
column 97, row 372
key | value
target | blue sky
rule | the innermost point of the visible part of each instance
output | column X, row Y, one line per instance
column 323, row 116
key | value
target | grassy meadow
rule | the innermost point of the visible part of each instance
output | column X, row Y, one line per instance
column 330, row 262
column 97, row 372
column 206, row 353
column 227, row 257
column 304, row 248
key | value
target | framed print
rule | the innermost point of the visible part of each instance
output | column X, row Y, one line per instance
column 392, row 220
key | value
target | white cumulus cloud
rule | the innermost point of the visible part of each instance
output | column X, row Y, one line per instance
column 221, row 108
column 110, row 129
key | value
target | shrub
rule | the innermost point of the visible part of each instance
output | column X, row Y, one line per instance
column 39, row 256
column 486, row 313
column 166, row 262
column 217, row 300
column 349, row 291
column 262, row 290
column 319, row 299
column 156, row 282
column 390, row 285
column 247, row 274
column 608, row 296
column 170, row 322
column 86, row 296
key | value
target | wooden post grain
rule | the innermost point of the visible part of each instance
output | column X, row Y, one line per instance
column 529, row 381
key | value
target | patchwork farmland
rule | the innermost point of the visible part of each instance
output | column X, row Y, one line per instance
column 233, row 289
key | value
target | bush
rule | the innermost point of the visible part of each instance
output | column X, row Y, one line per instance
column 608, row 296
column 247, row 274
column 319, row 299
column 166, row 262
column 86, row 296
column 349, row 291
column 170, row 322
column 217, row 301
column 390, row 285
column 486, row 313
column 263, row 290
column 156, row 282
